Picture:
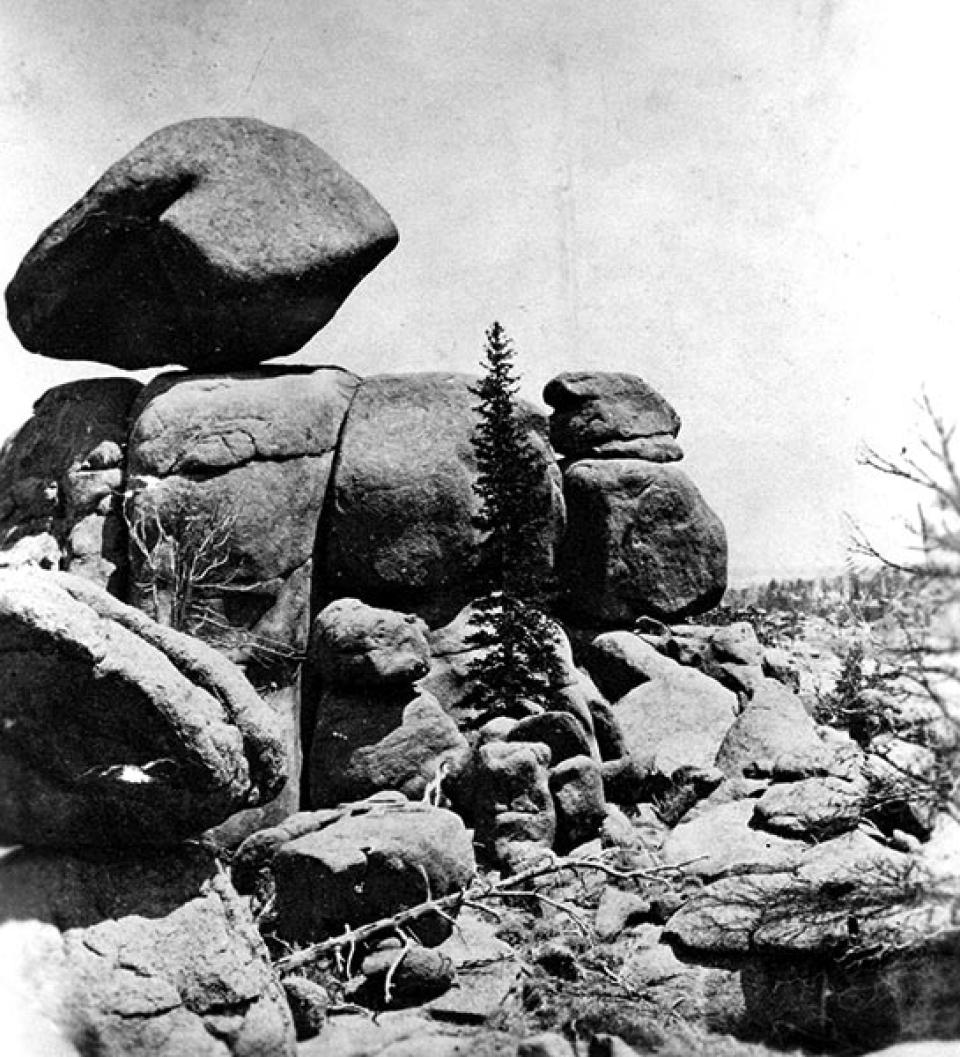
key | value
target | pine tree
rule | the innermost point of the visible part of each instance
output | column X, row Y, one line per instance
column 520, row 662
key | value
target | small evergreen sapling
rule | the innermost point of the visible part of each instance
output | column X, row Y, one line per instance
column 520, row 662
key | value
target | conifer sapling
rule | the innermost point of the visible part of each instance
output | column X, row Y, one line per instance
column 520, row 662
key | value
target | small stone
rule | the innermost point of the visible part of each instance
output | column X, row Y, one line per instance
column 617, row 830
column 617, row 911
column 547, row 1044
column 558, row 960
column 410, row 974
column 308, row 1003
column 602, row 1045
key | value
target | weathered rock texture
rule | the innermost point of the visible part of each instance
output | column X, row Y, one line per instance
column 397, row 530
column 677, row 720
column 640, row 540
column 366, row 729
column 367, row 743
column 61, row 475
column 355, row 645
column 125, row 956
column 230, row 472
column 216, row 243
column 600, row 413
column 370, row 865
column 513, row 803
column 118, row 731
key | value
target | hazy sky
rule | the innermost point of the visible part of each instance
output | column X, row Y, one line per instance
column 751, row 203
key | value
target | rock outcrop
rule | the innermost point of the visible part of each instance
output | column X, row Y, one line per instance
column 119, row 955
column 398, row 529
column 118, row 731
column 227, row 475
column 217, row 243
column 62, row 476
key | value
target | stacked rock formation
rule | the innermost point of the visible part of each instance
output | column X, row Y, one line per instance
column 640, row 538
column 237, row 505
column 216, row 244
column 288, row 515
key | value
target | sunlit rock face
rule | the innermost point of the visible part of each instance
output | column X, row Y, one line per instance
column 118, row 732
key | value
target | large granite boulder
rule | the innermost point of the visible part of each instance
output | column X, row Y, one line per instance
column 117, row 731
column 812, row 808
column 61, row 476
column 906, row 783
column 369, row 865
column 284, row 704
column 620, row 661
column 366, row 730
column 843, row 895
column 640, row 540
column 216, row 243
column 773, row 726
column 397, row 529
column 717, row 841
column 606, row 414
column 676, row 721
column 354, row 645
column 367, row 743
column 121, row 955
column 227, row 477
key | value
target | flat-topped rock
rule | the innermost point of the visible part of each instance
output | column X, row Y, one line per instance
column 215, row 243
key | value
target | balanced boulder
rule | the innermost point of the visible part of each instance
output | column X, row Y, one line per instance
column 117, row 731
column 216, row 243
column 606, row 414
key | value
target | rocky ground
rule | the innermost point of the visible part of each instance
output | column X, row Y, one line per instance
column 684, row 859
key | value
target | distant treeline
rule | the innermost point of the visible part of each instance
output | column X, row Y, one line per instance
column 856, row 594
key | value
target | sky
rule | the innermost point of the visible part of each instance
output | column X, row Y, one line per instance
column 752, row 204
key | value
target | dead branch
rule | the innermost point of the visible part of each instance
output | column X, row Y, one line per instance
column 474, row 895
